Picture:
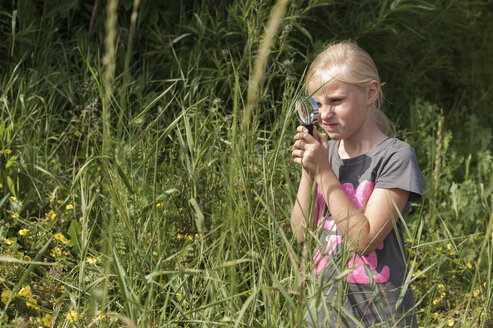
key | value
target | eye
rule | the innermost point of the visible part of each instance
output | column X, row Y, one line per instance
column 336, row 100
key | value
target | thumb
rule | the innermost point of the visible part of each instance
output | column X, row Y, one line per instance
column 322, row 138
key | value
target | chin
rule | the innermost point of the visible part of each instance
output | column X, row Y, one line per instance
column 334, row 136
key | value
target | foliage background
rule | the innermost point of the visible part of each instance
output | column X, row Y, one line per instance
column 135, row 190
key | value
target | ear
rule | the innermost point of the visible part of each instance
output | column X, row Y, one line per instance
column 373, row 92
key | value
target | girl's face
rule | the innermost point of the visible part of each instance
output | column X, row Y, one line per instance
column 345, row 110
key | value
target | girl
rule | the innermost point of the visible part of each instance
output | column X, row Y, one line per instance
column 365, row 182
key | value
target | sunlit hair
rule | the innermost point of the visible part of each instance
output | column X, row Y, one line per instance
column 348, row 63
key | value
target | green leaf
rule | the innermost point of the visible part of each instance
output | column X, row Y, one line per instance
column 199, row 219
column 10, row 183
column 10, row 162
column 74, row 232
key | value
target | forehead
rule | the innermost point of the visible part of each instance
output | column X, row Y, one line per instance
column 327, row 87
column 322, row 79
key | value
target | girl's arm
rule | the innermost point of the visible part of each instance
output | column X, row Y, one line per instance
column 302, row 205
column 364, row 230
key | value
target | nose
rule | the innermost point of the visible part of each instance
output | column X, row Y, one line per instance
column 325, row 112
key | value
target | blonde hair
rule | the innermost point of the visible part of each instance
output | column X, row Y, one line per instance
column 348, row 63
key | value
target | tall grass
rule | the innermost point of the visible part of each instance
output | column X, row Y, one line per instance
column 132, row 196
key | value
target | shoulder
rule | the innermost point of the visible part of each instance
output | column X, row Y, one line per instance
column 398, row 168
column 393, row 148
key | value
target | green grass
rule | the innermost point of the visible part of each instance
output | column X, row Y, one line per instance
column 156, row 188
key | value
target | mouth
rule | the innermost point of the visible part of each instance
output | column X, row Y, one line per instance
column 330, row 126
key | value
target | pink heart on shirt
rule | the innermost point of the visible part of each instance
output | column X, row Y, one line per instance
column 360, row 196
column 360, row 276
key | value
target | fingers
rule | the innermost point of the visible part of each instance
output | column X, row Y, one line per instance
column 299, row 144
column 298, row 153
column 304, row 135
column 301, row 128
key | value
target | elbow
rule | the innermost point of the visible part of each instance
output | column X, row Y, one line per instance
column 365, row 251
column 298, row 231
column 366, row 248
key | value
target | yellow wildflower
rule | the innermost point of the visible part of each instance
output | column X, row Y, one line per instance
column 451, row 322
column 436, row 301
column 69, row 207
column 92, row 260
column 53, row 161
column 5, row 296
column 14, row 215
column 46, row 319
column 439, row 249
column 32, row 303
column 476, row 292
column 189, row 237
column 100, row 316
column 255, row 199
column 14, row 199
column 422, row 276
column 60, row 237
column 23, row 232
column 7, row 241
column 449, row 246
column 52, row 215
column 59, row 201
column 160, row 204
column 469, row 265
column 71, row 316
column 62, row 287
column 5, row 318
column 434, row 315
column 180, row 236
column 77, row 133
column 7, row 151
column 25, row 291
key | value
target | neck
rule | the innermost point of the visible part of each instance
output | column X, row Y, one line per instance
column 361, row 144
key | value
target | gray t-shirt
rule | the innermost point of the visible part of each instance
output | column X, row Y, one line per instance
column 372, row 292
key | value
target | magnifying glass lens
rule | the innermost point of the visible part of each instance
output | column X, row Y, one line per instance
column 305, row 111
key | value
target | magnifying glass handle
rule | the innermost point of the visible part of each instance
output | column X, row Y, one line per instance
column 310, row 128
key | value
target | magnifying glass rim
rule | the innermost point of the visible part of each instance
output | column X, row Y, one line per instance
column 313, row 115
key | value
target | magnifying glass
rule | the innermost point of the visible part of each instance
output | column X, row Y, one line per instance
column 307, row 112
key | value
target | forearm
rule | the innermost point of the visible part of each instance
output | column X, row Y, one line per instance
column 302, row 205
column 350, row 220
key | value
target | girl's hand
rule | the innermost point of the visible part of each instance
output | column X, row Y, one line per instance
column 312, row 152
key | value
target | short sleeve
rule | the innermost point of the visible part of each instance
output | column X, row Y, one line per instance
column 400, row 170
